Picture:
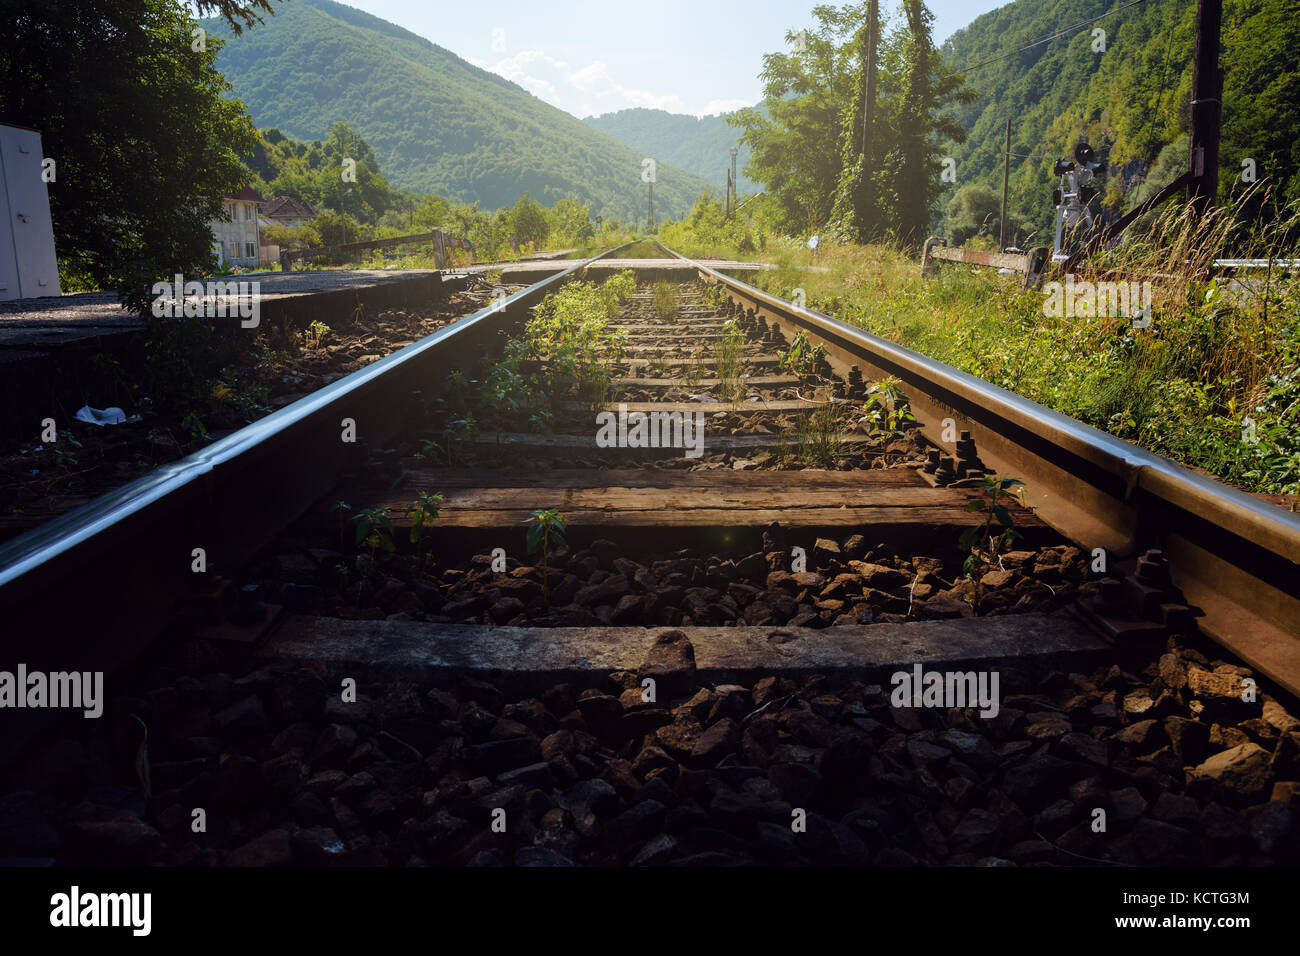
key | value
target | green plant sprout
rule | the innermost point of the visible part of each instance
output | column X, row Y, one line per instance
column 314, row 335
column 506, row 393
column 545, row 533
column 802, row 358
column 425, row 511
column 375, row 531
column 62, row 455
column 887, row 409
column 985, row 542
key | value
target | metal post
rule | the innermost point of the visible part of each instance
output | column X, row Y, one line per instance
column 1206, row 109
column 733, row 192
column 1006, row 171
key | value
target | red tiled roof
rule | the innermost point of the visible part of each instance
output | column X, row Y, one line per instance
column 246, row 194
column 285, row 207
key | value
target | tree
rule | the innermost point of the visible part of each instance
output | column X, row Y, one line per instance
column 808, row 152
column 855, row 213
column 334, row 231
column 974, row 211
column 793, row 138
column 570, row 221
column 927, row 85
column 528, row 220
column 145, row 144
column 430, row 213
column 235, row 12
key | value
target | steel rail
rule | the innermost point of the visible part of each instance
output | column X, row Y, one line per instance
column 88, row 589
column 1235, row 557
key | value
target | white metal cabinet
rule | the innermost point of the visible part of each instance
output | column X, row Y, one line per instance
column 28, row 266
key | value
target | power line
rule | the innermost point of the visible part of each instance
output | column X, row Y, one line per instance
column 1048, row 39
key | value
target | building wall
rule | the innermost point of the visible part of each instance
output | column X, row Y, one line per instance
column 269, row 255
column 238, row 238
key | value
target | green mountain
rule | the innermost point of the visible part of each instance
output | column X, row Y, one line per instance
column 436, row 123
column 699, row 146
column 1126, row 92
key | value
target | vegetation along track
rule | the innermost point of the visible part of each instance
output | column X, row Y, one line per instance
column 503, row 559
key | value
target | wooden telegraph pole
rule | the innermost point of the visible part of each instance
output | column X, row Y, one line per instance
column 1206, row 108
column 1006, row 172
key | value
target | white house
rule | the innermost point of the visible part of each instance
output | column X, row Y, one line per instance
column 236, row 237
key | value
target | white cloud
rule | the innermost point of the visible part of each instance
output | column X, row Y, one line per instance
column 591, row 89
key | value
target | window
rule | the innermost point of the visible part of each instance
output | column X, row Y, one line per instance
column 250, row 250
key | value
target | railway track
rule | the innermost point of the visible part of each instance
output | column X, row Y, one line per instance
column 757, row 508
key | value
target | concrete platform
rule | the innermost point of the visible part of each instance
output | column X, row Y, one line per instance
column 675, row 270
column 38, row 323
column 46, row 345
column 522, row 660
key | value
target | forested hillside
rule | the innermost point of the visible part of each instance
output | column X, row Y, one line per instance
column 697, row 145
column 1127, row 90
column 436, row 123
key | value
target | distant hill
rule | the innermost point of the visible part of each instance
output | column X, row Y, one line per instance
column 1126, row 91
column 696, row 145
column 436, row 123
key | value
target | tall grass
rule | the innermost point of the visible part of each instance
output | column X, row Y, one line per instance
column 729, row 362
column 663, row 300
column 1213, row 383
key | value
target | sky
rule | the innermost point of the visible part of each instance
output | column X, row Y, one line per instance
column 589, row 58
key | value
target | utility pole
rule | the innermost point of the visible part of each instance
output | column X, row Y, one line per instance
column 1006, row 171
column 733, row 191
column 869, row 101
column 651, row 220
column 1206, row 108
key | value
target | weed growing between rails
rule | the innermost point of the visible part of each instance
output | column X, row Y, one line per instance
column 567, row 352
column 663, row 300
column 803, row 358
column 366, row 573
column 729, row 363
column 821, row 438
column 997, row 531
column 887, row 410
column 545, row 536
